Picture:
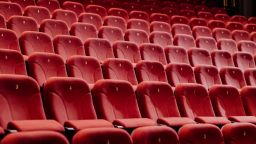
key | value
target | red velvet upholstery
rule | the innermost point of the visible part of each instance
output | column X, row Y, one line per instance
column 199, row 57
column 228, row 45
column 250, row 76
column 51, row 5
column 232, row 76
column 152, row 52
column 115, row 21
column 247, row 46
column 162, row 39
column 38, row 13
column 8, row 9
column 243, row 60
column 222, row 59
column 250, row 27
column 206, row 43
column 136, row 36
column 159, row 17
column 197, row 22
column 97, row 9
column 201, row 31
column 111, row 34
column 239, row 35
column 139, row 15
column 179, row 20
column 118, row 12
column 234, row 26
column 138, row 25
column 176, row 54
column 181, row 29
column 54, row 27
column 185, row 41
column 221, row 33
column 160, row 26
column 23, row 3
column 91, row 18
column 83, row 31
column 212, row 24
column 69, row 17
column 76, row 7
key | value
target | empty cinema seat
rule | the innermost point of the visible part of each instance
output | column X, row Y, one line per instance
column 234, row 26
column 253, row 36
column 86, row 68
column 227, row 102
column 239, row 18
column 181, row 29
column 185, row 41
column 38, row 13
column 150, row 71
column 119, row 69
column 248, row 97
column 118, row 12
column 232, row 76
column 222, row 33
column 162, row 39
column 206, row 43
column 138, row 25
column 239, row 35
column 76, row 7
column 25, row 3
column 91, row 18
column 201, row 31
column 228, row 45
column 83, row 31
column 243, row 60
column 247, row 46
column 136, row 36
column 159, row 17
column 179, row 20
column 197, row 22
column 115, row 21
column 51, row 5
column 42, row 66
column 249, row 76
column 121, row 111
column 54, row 27
column 199, row 57
column 69, row 17
column 9, row 40
column 160, row 26
column 8, row 9
column 250, row 27
column 112, row 34
column 97, row 9
column 212, row 24
column 139, row 15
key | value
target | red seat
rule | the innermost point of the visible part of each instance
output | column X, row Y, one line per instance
column 83, row 31
column 207, row 76
column 67, row 46
column 118, row 12
column 239, row 35
column 176, row 54
column 25, row 3
column 112, row 34
column 181, row 29
column 170, row 11
column 51, row 5
column 239, row 133
column 189, row 13
column 160, row 26
column 20, row 24
column 138, row 25
column 91, row 18
column 222, row 59
column 127, row 50
column 42, row 66
column 232, row 76
column 54, row 27
column 122, row 111
column 152, row 52
column 228, row 45
column 199, row 57
column 239, row 18
column 38, row 13
column 243, row 60
column 201, row 31
column 162, row 39
column 98, row 48
column 197, row 22
column 76, row 7
column 150, row 71
column 216, row 10
column 136, row 36
column 250, row 27
column 159, row 17
column 93, row 136
column 194, row 102
column 8, row 9
column 20, row 95
column 119, row 69
column 252, row 20
column 216, row 24
column 31, row 42
column 247, row 46
column 249, row 76
column 200, row 133
column 97, row 9
column 234, row 26
column 185, row 41
column 253, row 36
column 186, row 6
column 12, row 62
column 180, row 73
column 227, row 102
column 80, row 113
column 206, row 43
column 8, row 40
column 69, row 17
column 179, row 20
column 205, row 15
column 115, row 21
column 38, row 137
column 2, row 22
column 139, row 15
column 202, row 8
column 222, row 16
column 84, row 67
column 221, row 33
column 157, row 101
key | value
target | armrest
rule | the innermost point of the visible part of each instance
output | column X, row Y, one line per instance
column 134, row 122
column 213, row 120
column 82, row 124
column 35, row 125
column 175, row 121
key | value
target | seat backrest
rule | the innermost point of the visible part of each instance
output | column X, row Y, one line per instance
column 127, row 50
column 239, row 35
column 51, row 5
column 189, row 13
column 205, row 15
column 23, row 3
column 156, row 100
column 84, row 67
column 176, row 54
column 150, row 71
column 181, row 29
column 91, row 18
column 201, row 31
column 139, row 15
column 119, row 69
column 228, row 45
column 206, row 43
column 180, row 73
column 250, row 27
column 179, row 20
column 248, row 97
column 57, row 97
column 115, row 21
column 12, row 62
column 76, row 7
column 185, row 41
column 118, row 12
column 115, row 99
column 239, row 18
column 193, row 100
column 83, row 31
column 253, row 36
column 226, row 101
column 138, row 25
column 67, row 46
column 42, row 66
column 222, row 16
column 232, row 76
column 9, row 40
column 247, row 46
column 212, row 24
column 8, row 9
column 97, row 9
column 69, row 17
column 221, row 33
column 207, row 76
column 234, row 26
column 162, row 39
column 159, row 17
column 54, row 27
column 20, row 24
column 31, row 42
column 38, row 13
column 111, row 34
column 197, row 22
column 250, row 77
column 160, row 26
column 20, row 98
column 222, row 59
column 152, row 52
column 199, row 57
column 243, row 60
column 136, row 36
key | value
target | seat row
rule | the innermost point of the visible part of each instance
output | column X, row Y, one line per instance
column 92, row 115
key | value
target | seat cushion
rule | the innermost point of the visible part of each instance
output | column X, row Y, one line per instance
column 213, row 120
column 134, row 122
column 82, row 124
column 175, row 121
